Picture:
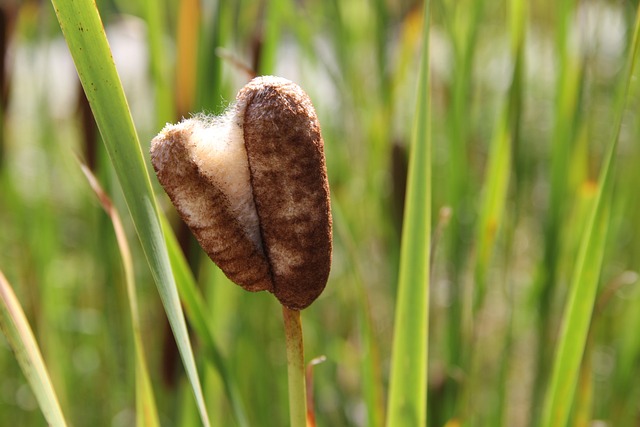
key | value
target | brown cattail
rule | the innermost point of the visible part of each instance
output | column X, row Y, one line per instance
column 252, row 187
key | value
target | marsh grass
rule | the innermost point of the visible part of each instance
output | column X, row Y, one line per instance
column 531, row 310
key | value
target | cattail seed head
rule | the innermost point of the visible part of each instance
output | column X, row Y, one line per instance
column 252, row 187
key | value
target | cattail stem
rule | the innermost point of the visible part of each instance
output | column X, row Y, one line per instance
column 295, row 363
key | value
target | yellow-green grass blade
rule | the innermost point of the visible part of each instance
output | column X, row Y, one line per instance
column 158, row 63
column 498, row 168
column 492, row 209
column 196, row 311
column 579, row 308
column 146, row 411
column 274, row 17
column 464, row 26
column 518, row 18
column 84, row 33
column 209, row 71
column 627, row 362
column 408, row 382
column 584, row 393
column 370, row 366
column 15, row 327
column 569, row 86
column 577, row 318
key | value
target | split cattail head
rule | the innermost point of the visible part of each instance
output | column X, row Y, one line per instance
column 252, row 187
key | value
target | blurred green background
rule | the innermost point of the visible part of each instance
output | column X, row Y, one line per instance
column 547, row 71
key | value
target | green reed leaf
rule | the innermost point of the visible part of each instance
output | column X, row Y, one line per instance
column 82, row 28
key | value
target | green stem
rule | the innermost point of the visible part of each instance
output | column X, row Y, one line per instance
column 295, row 364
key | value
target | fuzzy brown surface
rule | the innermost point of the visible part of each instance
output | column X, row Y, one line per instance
column 290, row 187
column 204, row 208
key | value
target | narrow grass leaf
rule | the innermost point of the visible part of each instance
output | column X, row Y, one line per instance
column 196, row 311
column 146, row 411
column 464, row 25
column 577, row 319
column 209, row 71
column 566, row 114
column 84, row 33
column 155, row 18
column 492, row 209
column 273, row 22
column 518, row 19
column 370, row 366
column 408, row 382
column 584, row 395
column 498, row 168
column 16, row 329
column 579, row 308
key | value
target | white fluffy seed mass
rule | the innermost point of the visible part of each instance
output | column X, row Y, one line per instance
column 216, row 146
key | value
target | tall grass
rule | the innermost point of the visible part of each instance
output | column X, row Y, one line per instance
column 408, row 385
column 522, row 123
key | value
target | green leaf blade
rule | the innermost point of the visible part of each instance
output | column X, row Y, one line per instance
column 579, row 309
column 196, row 311
column 408, row 387
column 146, row 410
column 15, row 326
column 493, row 204
column 82, row 28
